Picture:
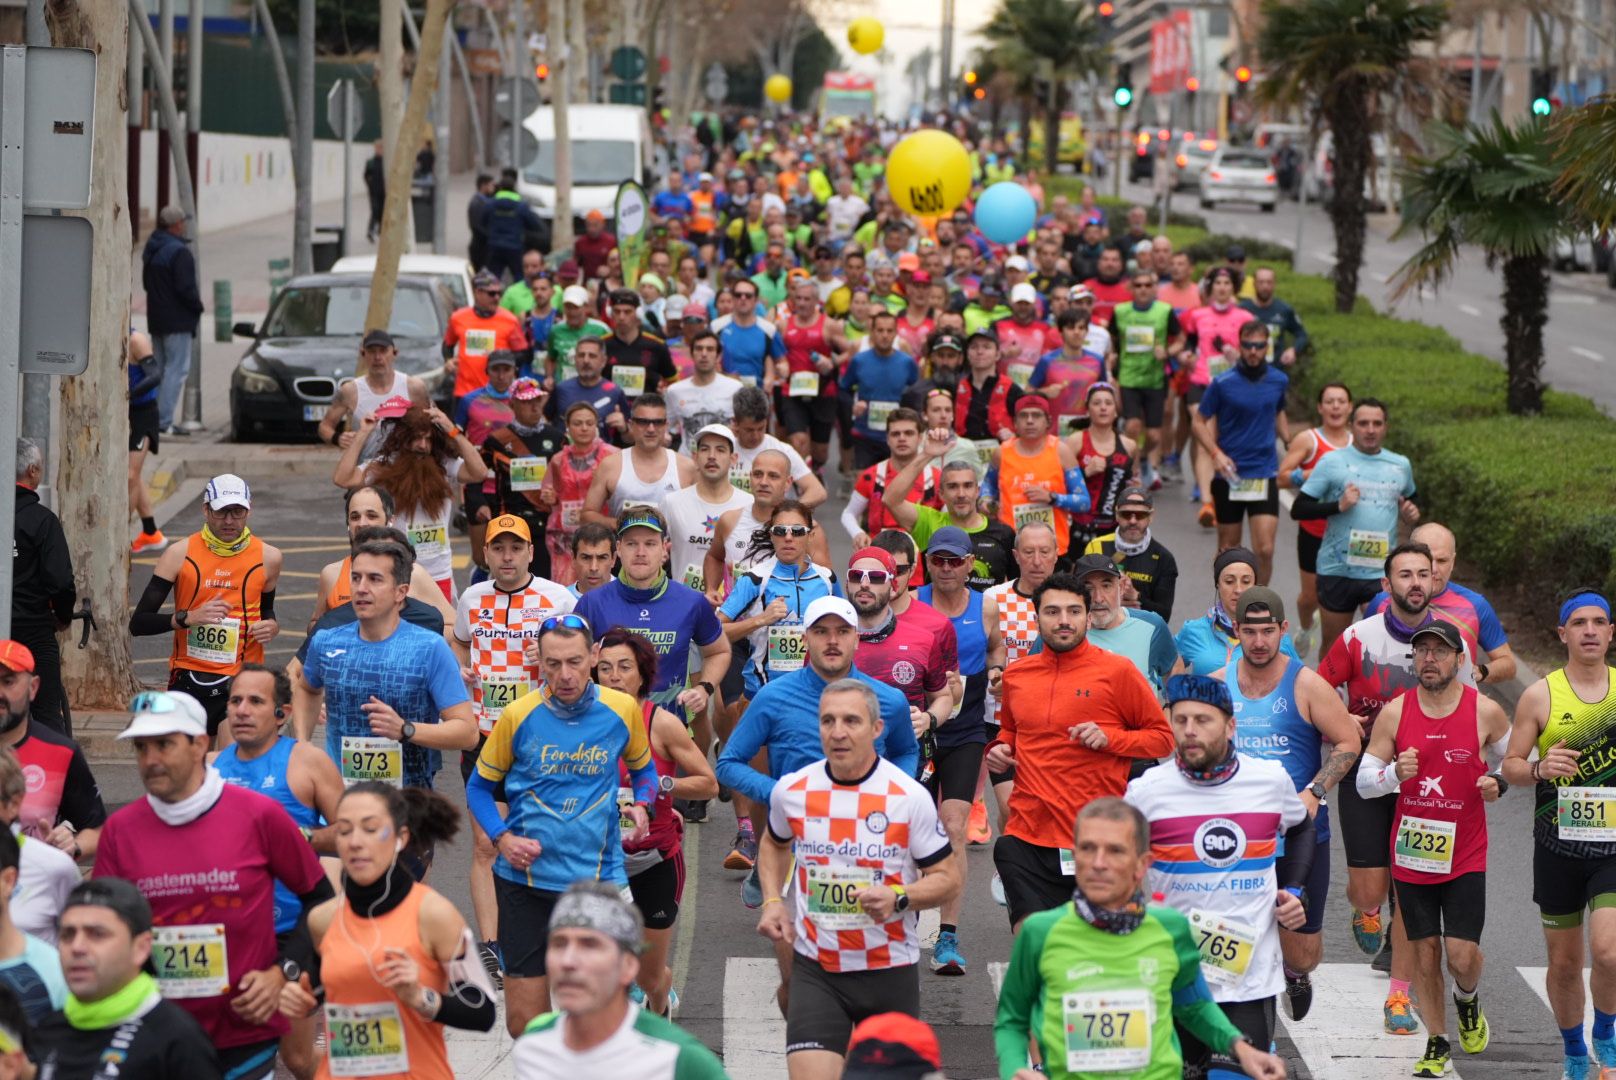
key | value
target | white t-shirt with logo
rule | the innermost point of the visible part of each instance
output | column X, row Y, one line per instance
column 692, row 407
column 691, row 520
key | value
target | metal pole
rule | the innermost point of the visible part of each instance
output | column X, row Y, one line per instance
column 440, row 155
column 13, row 84
column 303, row 210
column 347, row 160
column 472, row 110
column 1301, row 209
column 165, row 35
column 1117, row 162
column 945, row 74
column 1475, row 76
column 519, row 57
column 36, row 389
column 191, row 400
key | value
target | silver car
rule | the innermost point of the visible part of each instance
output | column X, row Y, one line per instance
column 1240, row 174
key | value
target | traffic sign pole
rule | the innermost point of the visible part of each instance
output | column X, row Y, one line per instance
column 12, row 87
column 347, row 163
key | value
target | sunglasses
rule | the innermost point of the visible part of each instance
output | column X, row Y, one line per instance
column 789, row 530
column 1255, row 346
column 153, row 701
column 565, row 622
column 1132, row 515
column 868, row 577
column 746, row 296
column 946, row 560
column 1144, row 284
column 649, row 421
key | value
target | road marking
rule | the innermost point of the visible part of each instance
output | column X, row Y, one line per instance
column 1382, row 278
column 687, row 926
column 1588, row 354
column 931, row 921
column 754, row 1032
column 1344, row 1039
column 1574, row 298
column 1538, row 978
column 996, row 974
column 1470, row 310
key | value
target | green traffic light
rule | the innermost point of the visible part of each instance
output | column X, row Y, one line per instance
column 1123, row 97
column 1540, row 106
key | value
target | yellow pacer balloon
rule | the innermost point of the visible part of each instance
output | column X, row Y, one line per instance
column 866, row 35
column 777, row 88
column 929, row 173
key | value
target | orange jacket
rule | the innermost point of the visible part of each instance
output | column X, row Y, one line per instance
column 1045, row 695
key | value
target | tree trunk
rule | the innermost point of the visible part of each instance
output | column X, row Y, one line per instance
column 93, row 459
column 390, row 76
column 1052, row 119
column 1350, row 130
column 561, row 231
column 412, row 132
column 1526, row 312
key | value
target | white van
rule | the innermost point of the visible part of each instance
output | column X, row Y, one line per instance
column 610, row 144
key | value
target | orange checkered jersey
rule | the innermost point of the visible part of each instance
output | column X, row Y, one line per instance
column 882, row 830
column 496, row 624
column 1018, row 626
column 1047, row 694
column 473, row 337
column 219, row 648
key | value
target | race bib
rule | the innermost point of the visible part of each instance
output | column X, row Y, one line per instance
column 831, row 893
column 214, row 643
column 1425, row 845
column 749, row 380
column 786, row 648
column 985, row 449
column 629, row 379
column 365, row 757
column 1034, row 513
column 565, row 370
column 191, row 961
column 695, row 578
column 527, row 473
column 740, row 478
column 1587, row 813
column 480, row 342
column 498, row 693
column 803, row 384
column 430, row 541
column 1226, row 946
column 625, row 821
column 1108, row 1031
column 1249, row 489
column 1367, row 548
column 570, row 509
column 1217, row 364
column 879, row 411
column 1068, row 862
column 1139, row 338
column 1020, row 374
column 366, row 1040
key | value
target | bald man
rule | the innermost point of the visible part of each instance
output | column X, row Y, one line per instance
column 1468, row 607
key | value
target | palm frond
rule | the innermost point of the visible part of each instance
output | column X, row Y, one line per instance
column 1585, row 152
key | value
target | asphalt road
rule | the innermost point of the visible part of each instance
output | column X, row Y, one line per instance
column 725, row 972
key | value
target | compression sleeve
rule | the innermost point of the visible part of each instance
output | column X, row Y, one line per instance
column 1376, row 777
column 466, row 1007
column 298, row 945
column 1076, row 501
column 1309, row 508
column 1293, row 867
column 1494, row 752
column 266, row 604
column 480, row 801
column 151, row 374
column 1018, row 998
column 734, row 764
column 856, row 505
column 148, row 620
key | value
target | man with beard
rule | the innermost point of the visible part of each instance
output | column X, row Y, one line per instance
column 1372, row 661
column 899, row 652
column 480, row 328
column 1434, row 747
column 1218, row 822
column 1141, row 637
column 1064, row 756
column 945, row 353
column 63, row 804
column 1287, row 713
column 1150, row 572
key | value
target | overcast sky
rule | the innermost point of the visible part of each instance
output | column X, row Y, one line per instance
column 910, row 26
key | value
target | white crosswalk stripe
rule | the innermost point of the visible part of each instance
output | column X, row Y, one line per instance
column 754, row 1033
column 1344, row 1037
column 1538, row 977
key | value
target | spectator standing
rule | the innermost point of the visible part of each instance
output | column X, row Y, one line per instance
column 173, row 306
column 42, row 590
column 478, row 249
column 376, row 188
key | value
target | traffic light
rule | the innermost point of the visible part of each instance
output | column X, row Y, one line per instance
column 1123, row 94
column 970, row 78
column 541, row 72
column 1242, row 74
column 1542, row 88
column 1106, row 9
column 1192, row 84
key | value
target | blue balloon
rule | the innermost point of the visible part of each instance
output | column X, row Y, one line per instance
column 1006, row 212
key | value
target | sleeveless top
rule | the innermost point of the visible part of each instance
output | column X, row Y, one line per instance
column 1321, row 447
column 801, row 343
column 631, row 489
column 1588, row 727
column 667, row 828
column 1272, row 727
column 1018, row 471
column 1440, row 831
column 267, row 775
column 341, row 589
column 1104, row 486
column 363, row 1016
column 219, row 648
column 367, row 400
column 740, row 539
column 572, row 476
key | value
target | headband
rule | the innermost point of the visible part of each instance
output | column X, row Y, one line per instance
column 1202, row 688
column 604, row 914
column 1586, row 598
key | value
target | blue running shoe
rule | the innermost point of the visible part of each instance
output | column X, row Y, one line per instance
column 1605, row 1052
column 673, row 1004
column 635, row 994
column 946, row 959
column 752, row 890
column 1576, row 1068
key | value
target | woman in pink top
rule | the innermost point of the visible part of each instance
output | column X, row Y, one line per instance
column 567, row 481
column 1214, row 330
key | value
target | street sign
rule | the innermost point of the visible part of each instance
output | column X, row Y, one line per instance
column 527, row 101
column 57, row 254
column 344, row 126
column 59, row 128
column 716, row 84
column 626, row 93
column 628, row 63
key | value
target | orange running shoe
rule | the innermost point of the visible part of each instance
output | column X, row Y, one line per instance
column 977, row 830
column 154, row 541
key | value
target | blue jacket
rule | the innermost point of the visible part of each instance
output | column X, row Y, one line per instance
column 507, row 219
column 168, row 274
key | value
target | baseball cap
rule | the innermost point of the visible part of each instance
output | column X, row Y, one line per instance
column 946, row 339
column 675, row 307
column 16, row 656
column 1079, row 292
column 594, row 215
column 502, row 358
column 484, row 280
column 575, row 294
column 507, row 523
column 1017, row 262
column 1259, row 596
column 880, row 555
column 892, row 1046
column 1035, row 401
column 526, row 390
column 118, row 895
column 1441, row 628
column 950, row 540
column 377, row 337
column 921, row 277
column 641, row 517
column 1202, row 688
column 165, row 712
column 569, row 270
column 717, row 429
column 392, row 408
column 706, row 176
column 991, row 285
column 909, row 261
column 1023, row 291
column 1234, row 253
column 1136, row 496
column 985, row 332
column 836, row 606
column 1095, row 564
column 227, row 489
column 170, row 216
column 694, row 310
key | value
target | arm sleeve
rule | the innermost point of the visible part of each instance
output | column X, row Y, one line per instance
column 147, row 619
column 1192, row 999
column 1018, row 997
column 856, row 505
column 1308, row 508
column 466, row 1007
column 151, row 374
column 1293, row 867
column 480, row 801
column 1076, row 499
column 734, row 764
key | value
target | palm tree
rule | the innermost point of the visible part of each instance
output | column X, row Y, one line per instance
column 1346, row 58
column 1585, row 150
column 1493, row 187
column 1057, row 39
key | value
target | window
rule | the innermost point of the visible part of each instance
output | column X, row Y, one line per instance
column 594, row 161
column 338, row 310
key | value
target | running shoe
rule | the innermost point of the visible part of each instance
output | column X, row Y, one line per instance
column 1195, row 493
column 1149, row 478
column 1155, row 483
column 635, row 994
column 1605, row 1052
column 997, row 889
column 1383, row 959
column 1399, row 1019
column 694, row 811
column 1298, row 995
column 493, row 963
column 1208, row 516
column 1303, row 638
column 723, row 793
column 1170, row 470
column 1576, row 1068
column 673, row 1004
column 1436, row 1061
column 946, row 959
column 1367, row 930
column 977, row 830
column 148, row 541
column 743, row 854
column 1473, row 1033
column 752, row 890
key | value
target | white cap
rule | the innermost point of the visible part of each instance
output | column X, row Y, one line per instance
column 575, row 294
column 227, row 489
column 1017, row 262
column 717, row 429
column 1023, row 291
column 838, row 606
column 675, row 306
column 166, row 712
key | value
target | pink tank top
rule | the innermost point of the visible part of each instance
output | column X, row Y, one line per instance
column 1440, row 831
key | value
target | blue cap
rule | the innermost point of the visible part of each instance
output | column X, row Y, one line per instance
column 950, row 540
column 1202, row 688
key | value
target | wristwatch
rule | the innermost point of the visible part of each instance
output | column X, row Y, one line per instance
column 292, row 970
column 664, row 785
column 707, row 686
column 182, row 618
column 902, row 903
column 1318, row 791
column 408, row 732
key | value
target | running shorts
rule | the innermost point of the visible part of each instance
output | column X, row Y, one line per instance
column 1255, row 1019
column 1031, row 876
column 954, row 772
column 1365, row 824
column 1143, row 403
column 1456, row 908
column 1563, row 886
column 1307, row 551
column 825, row 1005
column 212, row 691
column 658, row 890
column 524, row 926
column 143, row 427
column 1230, row 512
column 1345, row 595
column 1317, row 889
column 816, row 416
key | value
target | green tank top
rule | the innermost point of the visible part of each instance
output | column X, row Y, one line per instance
column 1588, row 727
column 1141, row 332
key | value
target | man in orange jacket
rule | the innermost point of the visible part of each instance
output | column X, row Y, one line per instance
column 1074, row 718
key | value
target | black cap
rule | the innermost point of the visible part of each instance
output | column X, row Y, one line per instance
column 992, row 285
column 1136, row 496
column 945, row 339
column 985, row 332
column 128, row 902
column 377, row 337
column 1095, row 564
column 1443, row 629
column 1234, row 253
column 824, row 251
column 502, row 358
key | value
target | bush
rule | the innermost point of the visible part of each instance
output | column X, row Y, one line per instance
column 1208, row 250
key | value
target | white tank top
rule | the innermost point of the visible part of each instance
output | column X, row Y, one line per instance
column 740, row 538
column 631, row 489
column 367, row 400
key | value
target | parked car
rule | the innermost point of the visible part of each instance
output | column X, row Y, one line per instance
column 1380, row 182
column 309, row 344
column 1190, row 161
column 1575, row 253
column 451, row 271
column 1240, row 174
